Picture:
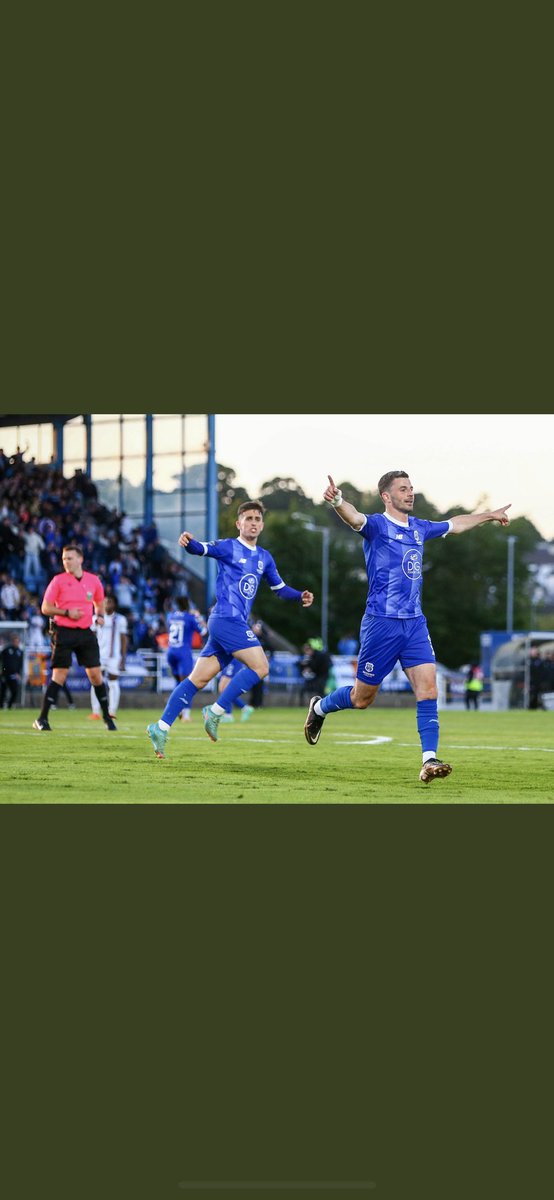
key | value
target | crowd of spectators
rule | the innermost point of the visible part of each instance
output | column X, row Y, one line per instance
column 40, row 512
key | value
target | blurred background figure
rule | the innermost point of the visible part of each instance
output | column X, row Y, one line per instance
column 257, row 692
column 348, row 644
column 314, row 667
column 182, row 624
column 538, row 674
column 112, row 641
column 11, row 661
column 226, row 676
column 474, row 686
column 33, row 574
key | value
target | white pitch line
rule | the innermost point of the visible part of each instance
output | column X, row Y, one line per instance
column 375, row 741
column 461, row 746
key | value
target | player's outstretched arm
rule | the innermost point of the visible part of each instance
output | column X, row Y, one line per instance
column 471, row 520
column 190, row 544
column 345, row 510
column 306, row 599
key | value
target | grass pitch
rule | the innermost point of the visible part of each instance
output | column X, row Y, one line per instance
column 370, row 757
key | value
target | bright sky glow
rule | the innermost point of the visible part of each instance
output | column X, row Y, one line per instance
column 466, row 460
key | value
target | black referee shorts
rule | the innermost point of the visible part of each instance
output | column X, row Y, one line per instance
column 83, row 643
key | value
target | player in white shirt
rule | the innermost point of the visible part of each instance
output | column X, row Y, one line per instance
column 112, row 641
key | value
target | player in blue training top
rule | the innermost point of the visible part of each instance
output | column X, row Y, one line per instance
column 182, row 624
column 241, row 566
column 393, row 626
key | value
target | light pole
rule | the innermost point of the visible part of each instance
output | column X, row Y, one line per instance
column 512, row 539
column 323, row 530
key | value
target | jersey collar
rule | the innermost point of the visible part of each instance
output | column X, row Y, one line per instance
column 395, row 522
column 247, row 544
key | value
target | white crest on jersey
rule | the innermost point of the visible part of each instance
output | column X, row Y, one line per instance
column 248, row 586
column 411, row 564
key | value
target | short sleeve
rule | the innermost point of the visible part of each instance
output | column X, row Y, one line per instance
column 52, row 592
column 271, row 573
column 221, row 550
column 370, row 528
column 435, row 529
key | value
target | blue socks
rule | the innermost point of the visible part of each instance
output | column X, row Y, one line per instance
column 428, row 726
column 336, row 700
column 241, row 682
column 180, row 698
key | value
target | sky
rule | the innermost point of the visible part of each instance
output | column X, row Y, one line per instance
column 471, row 461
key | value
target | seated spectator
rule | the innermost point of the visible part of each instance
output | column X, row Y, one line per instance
column 125, row 594
column 10, row 599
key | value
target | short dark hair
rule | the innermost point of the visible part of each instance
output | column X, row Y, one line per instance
column 73, row 546
column 386, row 480
column 248, row 504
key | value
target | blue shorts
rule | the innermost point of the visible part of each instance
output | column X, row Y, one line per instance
column 179, row 662
column 234, row 666
column 386, row 640
column 225, row 636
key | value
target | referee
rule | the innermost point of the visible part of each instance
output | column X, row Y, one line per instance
column 69, row 600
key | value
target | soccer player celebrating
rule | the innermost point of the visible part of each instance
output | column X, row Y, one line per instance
column 393, row 626
column 241, row 566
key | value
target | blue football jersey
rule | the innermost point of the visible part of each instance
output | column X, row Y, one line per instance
column 181, row 626
column 240, row 569
column 394, row 562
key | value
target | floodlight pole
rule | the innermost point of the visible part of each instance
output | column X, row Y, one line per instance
column 323, row 530
column 324, row 586
column 512, row 539
column 211, row 521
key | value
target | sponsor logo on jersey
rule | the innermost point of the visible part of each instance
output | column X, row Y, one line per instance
column 248, row 586
column 399, row 537
column 411, row 564
column 242, row 561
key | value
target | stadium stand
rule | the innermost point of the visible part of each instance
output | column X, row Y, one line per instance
column 40, row 511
